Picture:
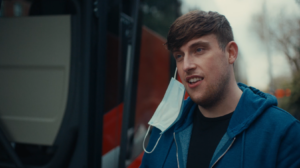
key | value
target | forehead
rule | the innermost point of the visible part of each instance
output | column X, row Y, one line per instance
column 210, row 40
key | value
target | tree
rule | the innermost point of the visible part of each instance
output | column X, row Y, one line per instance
column 159, row 15
column 283, row 35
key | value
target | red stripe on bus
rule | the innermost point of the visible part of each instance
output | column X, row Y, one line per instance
column 112, row 129
column 137, row 162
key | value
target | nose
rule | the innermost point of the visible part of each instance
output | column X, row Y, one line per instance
column 188, row 63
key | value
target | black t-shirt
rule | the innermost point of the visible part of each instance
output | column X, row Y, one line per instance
column 206, row 135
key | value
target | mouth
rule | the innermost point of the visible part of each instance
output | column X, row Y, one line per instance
column 194, row 81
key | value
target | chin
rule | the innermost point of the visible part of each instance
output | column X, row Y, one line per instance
column 198, row 99
column 206, row 100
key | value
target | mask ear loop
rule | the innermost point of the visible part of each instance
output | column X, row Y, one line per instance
column 145, row 139
column 150, row 127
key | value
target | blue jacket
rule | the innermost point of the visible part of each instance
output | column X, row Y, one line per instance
column 259, row 135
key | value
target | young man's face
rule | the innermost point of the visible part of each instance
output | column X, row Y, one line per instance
column 204, row 69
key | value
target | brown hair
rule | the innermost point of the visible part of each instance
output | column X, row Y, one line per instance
column 196, row 24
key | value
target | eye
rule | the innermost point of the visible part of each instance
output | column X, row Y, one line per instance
column 199, row 49
column 178, row 56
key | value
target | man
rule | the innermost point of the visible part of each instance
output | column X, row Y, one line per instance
column 222, row 124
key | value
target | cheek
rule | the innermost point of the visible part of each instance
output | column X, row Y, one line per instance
column 215, row 69
column 179, row 76
column 210, row 64
column 217, row 61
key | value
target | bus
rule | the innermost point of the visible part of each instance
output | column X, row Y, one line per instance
column 80, row 79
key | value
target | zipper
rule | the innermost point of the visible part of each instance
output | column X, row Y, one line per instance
column 223, row 153
column 176, row 150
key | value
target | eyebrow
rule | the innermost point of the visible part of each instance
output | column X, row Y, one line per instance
column 200, row 43
column 175, row 51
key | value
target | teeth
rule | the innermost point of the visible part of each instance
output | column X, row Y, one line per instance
column 192, row 80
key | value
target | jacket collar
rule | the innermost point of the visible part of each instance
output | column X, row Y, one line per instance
column 186, row 118
column 251, row 105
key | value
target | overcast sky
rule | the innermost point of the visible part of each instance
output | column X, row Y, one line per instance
column 240, row 13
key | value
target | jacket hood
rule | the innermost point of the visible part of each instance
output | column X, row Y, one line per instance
column 252, row 104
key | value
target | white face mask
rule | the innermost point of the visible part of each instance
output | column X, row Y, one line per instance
column 169, row 110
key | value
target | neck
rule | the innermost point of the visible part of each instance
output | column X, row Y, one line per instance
column 225, row 105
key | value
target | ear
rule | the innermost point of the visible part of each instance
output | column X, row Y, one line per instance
column 232, row 50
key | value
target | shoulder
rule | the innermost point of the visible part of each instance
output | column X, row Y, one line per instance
column 279, row 119
column 276, row 114
column 288, row 128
